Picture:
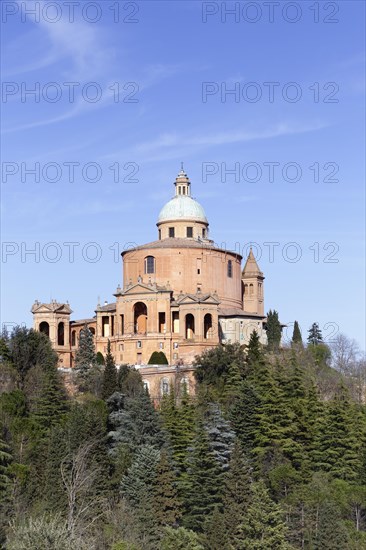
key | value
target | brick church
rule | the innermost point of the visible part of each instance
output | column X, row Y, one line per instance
column 180, row 294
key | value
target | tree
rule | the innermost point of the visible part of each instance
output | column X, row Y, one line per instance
column 158, row 358
column 220, row 434
column 263, row 526
column 180, row 539
column 212, row 366
column 243, row 415
column 337, row 444
column 345, row 353
column 315, row 335
column 29, row 348
column 166, row 503
column 215, row 532
column 237, row 492
column 296, row 336
column 254, row 352
column 50, row 405
column 109, row 374
column 134, row 422
column 204, row 482
column 5, row 486
column 85, row 357
column 274, row 330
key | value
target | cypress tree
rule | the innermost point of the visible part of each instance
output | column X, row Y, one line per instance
column 274, row 331
column 109, row 374
column 296, row 336
column 315, row 335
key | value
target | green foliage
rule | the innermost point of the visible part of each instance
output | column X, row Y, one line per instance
column 220, row 434
column 273, row 329
column 264, row 525
column 315, row 335
column 213, row 365
column 44, row 533
column 158, row 358
column 85, row 358
column 204, row 483
column 180, row 539
column 29, row 348
column 100, row 358
column 134, row 422
column 296, row 336
column 110, row 384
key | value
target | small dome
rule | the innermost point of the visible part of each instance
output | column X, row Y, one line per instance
column 182, row 207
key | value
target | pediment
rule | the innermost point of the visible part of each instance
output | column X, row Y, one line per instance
column 52, row 308
column 197, row 299
column 141, row 288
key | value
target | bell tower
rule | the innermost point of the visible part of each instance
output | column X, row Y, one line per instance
column 182, row 184
column 253, row 289
column 53, row 319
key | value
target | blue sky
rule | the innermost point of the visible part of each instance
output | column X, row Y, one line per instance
column 149, row 92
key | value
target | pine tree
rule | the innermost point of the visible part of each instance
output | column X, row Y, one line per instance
column 204, row 483
column 85, row 356
column 109, row 375
column 180, row 539
column 215, row 532
column 134, row 422
column 337, row 444
column 296, row 336
column 166, row 503
column 264, row 526
column 315, row 335
column 5, row 486
column 273, row 330
column 237, row 492
column 51, row 405
column 243, row 415
column 331, row 532
column 220, row 434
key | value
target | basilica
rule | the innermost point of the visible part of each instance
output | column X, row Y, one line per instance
column 180, row 295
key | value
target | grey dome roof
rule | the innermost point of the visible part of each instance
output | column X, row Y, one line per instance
column 182, row 207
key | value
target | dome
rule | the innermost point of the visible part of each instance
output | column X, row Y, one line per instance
column 182, row 207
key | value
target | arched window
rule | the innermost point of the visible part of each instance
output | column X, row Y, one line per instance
column 92, row 330
column 149, row 264
column 146, row 385
column 189, row 326
column 61, row 334
column 73, row 338
column 260, row 289
column 251, row 289
column 207, row 326
column 230, row 268
column 164, row 386
column 45, row 328
column 245, row 289
column 184, row 385
column 140, row 318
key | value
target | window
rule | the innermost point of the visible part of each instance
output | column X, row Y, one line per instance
column 175, row 355
column 162, row 321
column 164, row 386
column 122, row 324
column 230, row 268
column 251, row 290
column 45, row 328
column 190, row 232
column 184, row 190
column 175, row 321
column 161, row 345
column 146, row 385
column 175, row 345
column 139, row 344
column 61, row 334
column 73, row 338
column 204, row 233
column 159, row 233
column 121, row 347
column 150, row 264
column 171, row 232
